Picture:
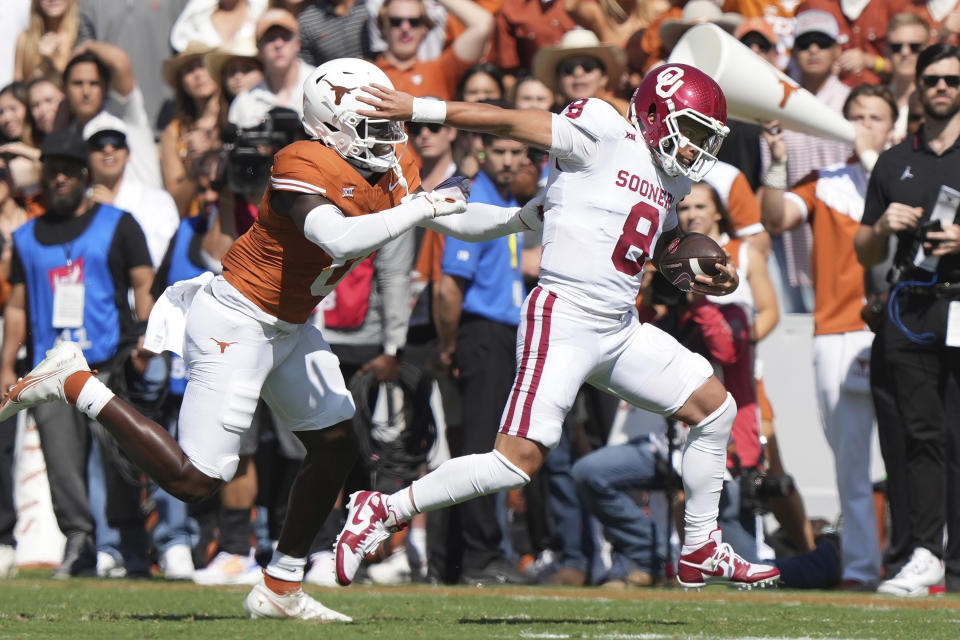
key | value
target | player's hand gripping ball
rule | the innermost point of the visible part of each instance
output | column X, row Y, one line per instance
column 692, row 255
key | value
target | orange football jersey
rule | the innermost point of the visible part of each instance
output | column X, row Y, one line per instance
column 273, row 264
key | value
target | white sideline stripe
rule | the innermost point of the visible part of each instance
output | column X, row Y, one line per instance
column 288, row 184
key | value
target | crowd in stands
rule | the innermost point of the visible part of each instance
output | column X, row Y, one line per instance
column 135, row 145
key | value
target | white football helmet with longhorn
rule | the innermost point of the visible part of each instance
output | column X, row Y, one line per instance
column 330, row 108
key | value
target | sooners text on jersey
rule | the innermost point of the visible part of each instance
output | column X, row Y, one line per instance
column 604, row 214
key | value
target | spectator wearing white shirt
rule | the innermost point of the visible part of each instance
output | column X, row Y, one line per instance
column 153, row 209
column 16, row 19
column 278, row 42
column 99, row 77
column 215, row 23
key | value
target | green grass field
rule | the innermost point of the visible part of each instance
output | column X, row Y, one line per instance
column 34, row 607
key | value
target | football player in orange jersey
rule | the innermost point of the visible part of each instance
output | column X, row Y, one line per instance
column 332, row 201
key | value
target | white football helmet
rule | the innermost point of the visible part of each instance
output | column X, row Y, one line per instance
column 330, row 108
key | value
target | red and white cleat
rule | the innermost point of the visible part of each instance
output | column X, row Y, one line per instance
column 45, row 382
column 715, row 562
column 369, row 523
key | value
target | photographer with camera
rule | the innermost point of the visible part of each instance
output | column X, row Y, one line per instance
column 915, row 186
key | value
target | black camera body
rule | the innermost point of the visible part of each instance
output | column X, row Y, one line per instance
column 756, row 489
column 249, row 152
column 907, row 248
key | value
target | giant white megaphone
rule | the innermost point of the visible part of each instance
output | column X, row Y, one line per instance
column 757, row 91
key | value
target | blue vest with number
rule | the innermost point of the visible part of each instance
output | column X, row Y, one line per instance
column 181, row 268
column 100, row 333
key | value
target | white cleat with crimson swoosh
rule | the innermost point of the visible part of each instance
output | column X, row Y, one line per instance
column 45, row 382
column 369, row 523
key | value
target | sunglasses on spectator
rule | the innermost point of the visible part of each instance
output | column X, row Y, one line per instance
column 914, row 117
column 417, row 127
column 754, row 39
column 100, row 142
column 569, row 66
column 396, row 23
column 807, row 40
column 931, row 81
column 897, row 47
column 4, row 173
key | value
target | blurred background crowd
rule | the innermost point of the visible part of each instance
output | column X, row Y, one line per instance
column 171, row 110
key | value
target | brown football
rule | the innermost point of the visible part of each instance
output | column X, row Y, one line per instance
column 693, row 254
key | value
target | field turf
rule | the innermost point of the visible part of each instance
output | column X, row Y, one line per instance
column 32, row 606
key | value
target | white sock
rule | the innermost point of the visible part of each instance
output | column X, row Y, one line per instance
column 417, row 539
column 402, row 505
column 93, row 397
column 704, row 462
column 284, row 567
column 458, row 480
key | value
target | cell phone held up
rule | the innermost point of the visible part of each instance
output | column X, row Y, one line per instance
column 926, row 228
column 944, row 211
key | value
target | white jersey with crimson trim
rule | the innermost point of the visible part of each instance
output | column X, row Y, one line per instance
column 604, row 214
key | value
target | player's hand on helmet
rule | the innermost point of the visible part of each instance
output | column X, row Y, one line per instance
column 723, row 283
column 386, row 103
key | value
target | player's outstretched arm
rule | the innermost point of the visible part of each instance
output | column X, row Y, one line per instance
column 530, row 126
column 344, row 237
column 485, row 222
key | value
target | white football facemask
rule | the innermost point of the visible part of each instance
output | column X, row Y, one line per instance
column 330, row 108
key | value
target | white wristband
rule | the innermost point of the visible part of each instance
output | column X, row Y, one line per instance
column 776, row 177
column 869, row 159
column 428, row 110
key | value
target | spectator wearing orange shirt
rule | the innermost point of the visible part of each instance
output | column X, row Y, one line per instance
column 831, row 200
column 615, row 21
column 523, row 28
column 404, row 24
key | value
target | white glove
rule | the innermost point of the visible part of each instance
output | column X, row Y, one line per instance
column 450, row 197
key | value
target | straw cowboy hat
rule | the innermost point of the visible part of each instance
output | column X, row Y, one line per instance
column 217, row 59
column 577, row 42
column 695, row 12
column 173, row 64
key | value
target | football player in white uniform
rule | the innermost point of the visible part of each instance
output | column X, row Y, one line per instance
column 609, row 205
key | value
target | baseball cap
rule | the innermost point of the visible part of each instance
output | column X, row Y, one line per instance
column 276, row 18
column 758, row 25
column 104, row 121
column 818, row 21
column 64, row 144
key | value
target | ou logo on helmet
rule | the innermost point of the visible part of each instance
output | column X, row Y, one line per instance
column 669, row 81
